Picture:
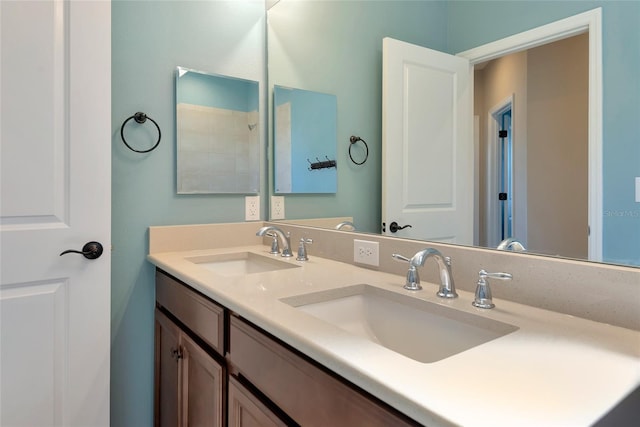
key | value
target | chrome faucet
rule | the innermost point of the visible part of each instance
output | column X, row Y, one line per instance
column 284, row 238
column 347, row 225
column 511, row 244
column 302, row 249
column 483, row 298
column 447, row 287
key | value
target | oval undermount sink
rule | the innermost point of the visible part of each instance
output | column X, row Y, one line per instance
column 418, row 329
column 240, row 263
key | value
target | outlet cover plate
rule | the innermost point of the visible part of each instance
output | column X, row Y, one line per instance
column 252, row 208
column 277, row 207
column 366, row 252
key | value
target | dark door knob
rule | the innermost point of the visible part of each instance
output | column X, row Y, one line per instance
column 90, row 250
column 393, row 227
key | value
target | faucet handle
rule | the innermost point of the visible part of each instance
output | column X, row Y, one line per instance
column 483, row 297
column 413, row 278
column 302, row 249
column 275, row 249
column 399, row 257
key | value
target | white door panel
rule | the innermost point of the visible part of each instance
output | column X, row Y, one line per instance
column 427, row 143
column 55, row 126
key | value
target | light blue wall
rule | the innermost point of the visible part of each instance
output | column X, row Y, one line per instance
column 473, row 23
column 149, row 39
column 217, row 92
column 336, row 47
column 313, row 138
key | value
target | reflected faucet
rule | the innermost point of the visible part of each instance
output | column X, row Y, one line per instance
column 447, row 287
column 348, row 225
column 284, row 238
column 511, row 244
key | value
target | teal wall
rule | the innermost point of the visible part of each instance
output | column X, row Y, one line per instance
column 336, row 47
column 473, row 23
column 149, row 39
column 313, row 138
column 217, row 92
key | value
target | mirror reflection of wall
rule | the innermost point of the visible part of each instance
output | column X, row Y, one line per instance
column 347, row 62
column 304, row 141
column 217, row 133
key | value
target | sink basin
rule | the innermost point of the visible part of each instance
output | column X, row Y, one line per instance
column 421, row 330
column 240, row 263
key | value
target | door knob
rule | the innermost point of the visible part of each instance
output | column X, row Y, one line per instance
column 393, row 227
column 90, row 250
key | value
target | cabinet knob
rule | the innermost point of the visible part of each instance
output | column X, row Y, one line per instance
column 176, row 353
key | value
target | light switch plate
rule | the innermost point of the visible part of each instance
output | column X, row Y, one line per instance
column 277, row 207
column 252, row 208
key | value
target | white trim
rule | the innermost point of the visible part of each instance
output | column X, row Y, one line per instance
column 492, row 211
column 591, row 22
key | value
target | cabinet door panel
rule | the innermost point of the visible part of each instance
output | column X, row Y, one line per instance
column 166, row 375
column 245, row 410
column 202, row 386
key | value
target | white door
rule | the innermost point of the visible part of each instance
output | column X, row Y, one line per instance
column 56, row 148
column 427, row 144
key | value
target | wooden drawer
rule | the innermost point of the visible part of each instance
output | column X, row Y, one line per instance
column 202, row 316
column 308, row 394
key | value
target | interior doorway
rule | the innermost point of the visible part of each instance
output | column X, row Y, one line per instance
column 587, row 24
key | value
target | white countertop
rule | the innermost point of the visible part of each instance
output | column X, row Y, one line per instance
column 555, row 369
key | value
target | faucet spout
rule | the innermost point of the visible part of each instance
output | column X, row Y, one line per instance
column 347, row 225
column 511, row 244
column 447, row 286
column 284, row 238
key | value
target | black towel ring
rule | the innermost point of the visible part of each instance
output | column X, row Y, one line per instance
column 353, row 140
column 140, row 118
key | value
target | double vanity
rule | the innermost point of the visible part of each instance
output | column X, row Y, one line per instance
column 247, row 337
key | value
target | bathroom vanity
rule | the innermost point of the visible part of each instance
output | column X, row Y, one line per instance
column 244, row 337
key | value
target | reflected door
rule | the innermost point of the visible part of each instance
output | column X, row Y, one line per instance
column 427, row 165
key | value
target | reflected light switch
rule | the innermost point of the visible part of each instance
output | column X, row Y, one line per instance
column 637, row 189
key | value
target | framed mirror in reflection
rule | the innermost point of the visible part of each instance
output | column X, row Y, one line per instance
column 303, row 54
column 217, row 134
column 305, row 125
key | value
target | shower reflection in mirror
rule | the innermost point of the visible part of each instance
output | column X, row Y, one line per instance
column 305, row 132
column 217, row 133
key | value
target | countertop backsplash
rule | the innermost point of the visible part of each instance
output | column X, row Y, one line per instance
column 600, row 292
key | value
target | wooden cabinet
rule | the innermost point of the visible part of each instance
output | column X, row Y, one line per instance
column 167, row 342
column 260, row 382
column 189, row 382
column 189, row 337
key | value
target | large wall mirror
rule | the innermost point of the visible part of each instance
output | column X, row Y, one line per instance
column 347, row 61
column 217, row 133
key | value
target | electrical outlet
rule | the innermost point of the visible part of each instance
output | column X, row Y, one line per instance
column 366, row 252
column 252, row 208
column 277, row 207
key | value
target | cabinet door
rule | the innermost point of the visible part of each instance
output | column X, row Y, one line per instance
column 202, row 386
column 167, row 359
column 247, row 411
